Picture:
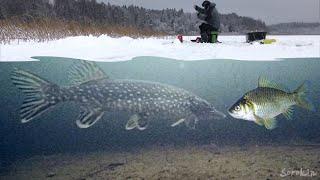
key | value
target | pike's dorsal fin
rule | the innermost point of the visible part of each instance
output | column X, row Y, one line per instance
column 84, row 71
column 288, row 113
column 264, row 82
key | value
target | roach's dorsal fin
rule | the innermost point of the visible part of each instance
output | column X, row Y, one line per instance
column 84, row 71
column 264, row 82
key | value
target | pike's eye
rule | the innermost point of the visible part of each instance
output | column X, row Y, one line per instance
column 237, row 108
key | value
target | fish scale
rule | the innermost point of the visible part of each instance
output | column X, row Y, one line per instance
column 270, row 102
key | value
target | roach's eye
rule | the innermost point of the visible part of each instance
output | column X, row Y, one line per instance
column 237, row 108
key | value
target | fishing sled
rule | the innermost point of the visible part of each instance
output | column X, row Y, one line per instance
column 258, row 36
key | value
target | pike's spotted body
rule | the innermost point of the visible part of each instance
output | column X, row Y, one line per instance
column 97, row 94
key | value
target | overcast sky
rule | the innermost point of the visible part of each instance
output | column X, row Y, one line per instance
column 270, row 11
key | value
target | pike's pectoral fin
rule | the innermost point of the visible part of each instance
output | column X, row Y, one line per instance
column 177, row 123
column 89, row 117
column 84, row 71
column 288, row 113
column 191, row 121
column 139, row 121
column 133, row 122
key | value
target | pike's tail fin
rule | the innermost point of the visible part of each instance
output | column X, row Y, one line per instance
column 40, row 94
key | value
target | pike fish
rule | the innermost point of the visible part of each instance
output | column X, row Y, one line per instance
column 97, row 94
column 263, row 104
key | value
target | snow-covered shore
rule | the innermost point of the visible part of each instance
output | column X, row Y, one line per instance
column 105, row 48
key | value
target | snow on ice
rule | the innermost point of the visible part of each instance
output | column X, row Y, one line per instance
column 106, row 48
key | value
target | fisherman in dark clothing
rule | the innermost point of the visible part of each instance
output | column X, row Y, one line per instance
column 210, row 15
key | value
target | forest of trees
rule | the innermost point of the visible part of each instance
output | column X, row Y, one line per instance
column 169, row 21
column 295, row 28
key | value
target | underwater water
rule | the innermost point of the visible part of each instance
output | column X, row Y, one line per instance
column 220, row 82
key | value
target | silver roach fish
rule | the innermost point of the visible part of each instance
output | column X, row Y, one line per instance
column 97, row 94
column 269, row 100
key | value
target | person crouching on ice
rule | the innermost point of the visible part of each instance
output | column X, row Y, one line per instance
column 210, row 15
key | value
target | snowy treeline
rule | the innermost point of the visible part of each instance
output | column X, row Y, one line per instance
column 295, row 28
column 170, row 21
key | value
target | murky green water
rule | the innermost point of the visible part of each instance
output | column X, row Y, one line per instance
column 221, row 82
